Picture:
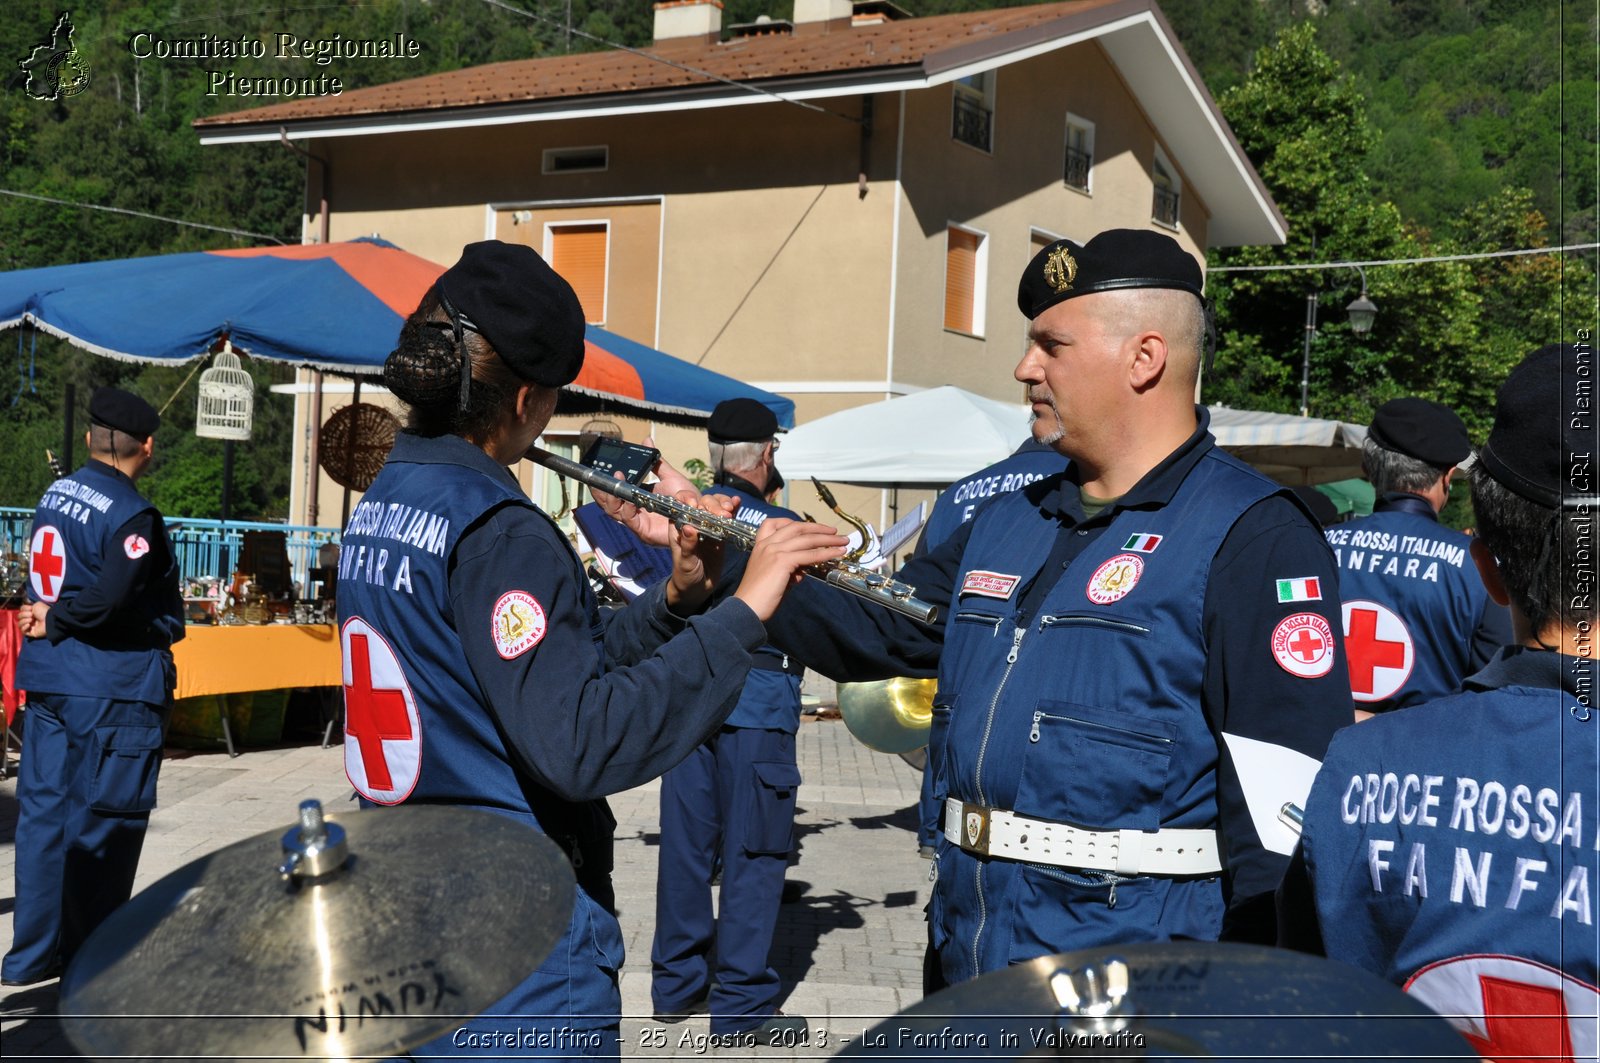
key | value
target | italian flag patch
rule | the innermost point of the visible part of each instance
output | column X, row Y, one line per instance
column 1305, row 589
column 1143, row 542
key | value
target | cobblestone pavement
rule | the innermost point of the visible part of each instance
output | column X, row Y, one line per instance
column 849, row 948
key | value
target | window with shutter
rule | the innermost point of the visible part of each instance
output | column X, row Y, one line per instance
column 964, row 265
column 578, row 253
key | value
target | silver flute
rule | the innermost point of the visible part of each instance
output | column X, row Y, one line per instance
column 846, row 575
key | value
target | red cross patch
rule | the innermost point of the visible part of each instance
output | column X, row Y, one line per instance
column 1509, row 1008
column 47, row 563
column 135, row 546
column 382, row 731
column 1302, row 644
column 1378, row 648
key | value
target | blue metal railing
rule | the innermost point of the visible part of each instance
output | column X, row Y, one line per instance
column 199, row 543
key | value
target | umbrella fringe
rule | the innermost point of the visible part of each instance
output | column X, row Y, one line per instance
column 140, row 359
column 627, row 401
column 92, row 348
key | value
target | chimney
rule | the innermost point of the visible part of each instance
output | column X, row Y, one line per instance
column 688, row 19
column 816, row 11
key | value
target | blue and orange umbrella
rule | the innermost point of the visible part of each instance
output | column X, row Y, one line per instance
column 335, row 306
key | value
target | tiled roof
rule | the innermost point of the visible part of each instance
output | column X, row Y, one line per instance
column 929, row 44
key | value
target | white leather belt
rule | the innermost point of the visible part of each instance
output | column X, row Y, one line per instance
column 996, row 832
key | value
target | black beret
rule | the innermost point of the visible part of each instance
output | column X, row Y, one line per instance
column 123, row 411
column 1543, row 440
column 1114, row 259
column 1421, row 429
column 527, row 312
column 741, row 421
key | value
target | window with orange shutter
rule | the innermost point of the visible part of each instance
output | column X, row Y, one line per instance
column 961, row 281
column 578, row 253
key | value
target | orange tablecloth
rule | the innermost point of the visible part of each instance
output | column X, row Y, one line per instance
column 234, row 659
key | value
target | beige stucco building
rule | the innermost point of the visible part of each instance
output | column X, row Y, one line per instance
column 835, row 207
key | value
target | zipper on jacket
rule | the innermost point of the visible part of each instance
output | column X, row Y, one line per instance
column 1093, row 621
column 982, row 618
column 983, row 749
column 1101, row 878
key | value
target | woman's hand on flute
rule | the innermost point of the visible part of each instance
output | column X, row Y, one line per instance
column 696, row 559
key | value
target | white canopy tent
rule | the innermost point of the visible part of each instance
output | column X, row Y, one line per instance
column 935, row 437
column 1291, row 449
column 929, row 439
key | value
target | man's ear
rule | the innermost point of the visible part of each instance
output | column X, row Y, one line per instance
column 1489, row 571
column 1149, row 360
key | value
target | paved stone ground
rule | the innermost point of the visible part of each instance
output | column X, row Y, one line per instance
column 849, row 950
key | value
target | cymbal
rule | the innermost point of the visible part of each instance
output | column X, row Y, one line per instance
column 1180, row 999
column 437, row 913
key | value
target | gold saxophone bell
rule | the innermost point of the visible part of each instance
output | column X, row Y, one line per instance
column 890, row 715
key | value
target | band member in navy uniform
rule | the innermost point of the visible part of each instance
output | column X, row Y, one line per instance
column 1451, row 848
column 1417, row 619
column 1031, row 461
column 103, row 611
column 479, row 670
column 732, row 802
column 1132, row 694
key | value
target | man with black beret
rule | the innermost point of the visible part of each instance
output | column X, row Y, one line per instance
column 103, row 612
column 1450, row 848
column 1138, row 659
column 732, row 802
column 1417, row 619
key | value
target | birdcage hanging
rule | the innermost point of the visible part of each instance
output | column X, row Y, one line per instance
column 227, row 399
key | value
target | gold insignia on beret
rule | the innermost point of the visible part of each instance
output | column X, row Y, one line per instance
column 1060, row 270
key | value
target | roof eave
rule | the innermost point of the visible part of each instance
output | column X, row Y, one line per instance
column 697, row 97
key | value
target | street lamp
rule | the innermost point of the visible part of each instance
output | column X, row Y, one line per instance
column 1361, row 312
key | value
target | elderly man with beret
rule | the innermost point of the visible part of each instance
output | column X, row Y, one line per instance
column 1139, row 656
column 732, row 802
column 1450, row 848
column 103, row 611
column 1416, row 617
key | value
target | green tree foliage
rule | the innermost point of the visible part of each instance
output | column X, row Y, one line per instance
column 127, row 143
column 1474, row 97
column 186, row 477
column 1303, row 123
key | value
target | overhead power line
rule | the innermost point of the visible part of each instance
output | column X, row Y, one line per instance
column 1402, row 261
column 141, row 214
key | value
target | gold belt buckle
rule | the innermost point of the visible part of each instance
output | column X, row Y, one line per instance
column 975, row 828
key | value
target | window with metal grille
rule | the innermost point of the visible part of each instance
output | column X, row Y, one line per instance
column 965, row 265
column 578, row 252
column 1079, row 153
column 1164, row 209
column 972, row 113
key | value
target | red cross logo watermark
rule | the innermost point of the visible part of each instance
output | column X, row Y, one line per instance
column 47, row 563
column 1303, row 645
column 1510, row 1009
column 382, row 731
column 1378, row 648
